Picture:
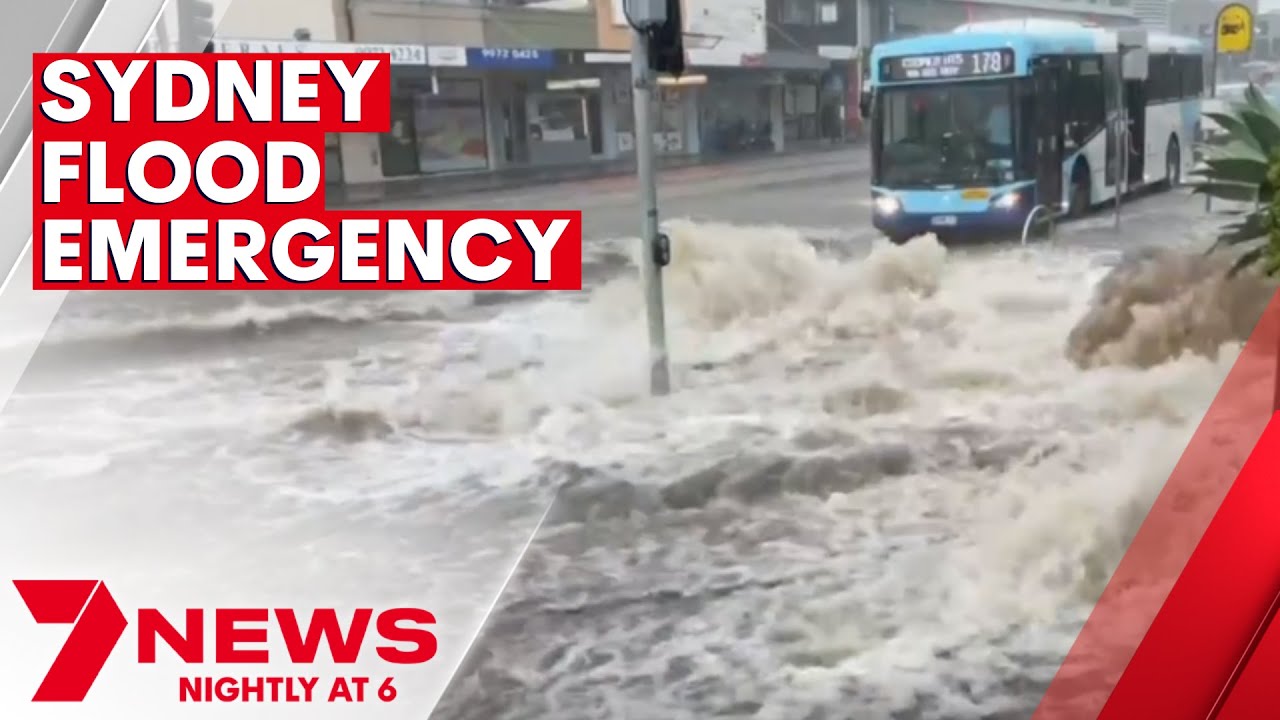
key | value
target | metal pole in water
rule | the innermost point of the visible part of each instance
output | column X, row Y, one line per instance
column 1122, row 137
column 654, row 245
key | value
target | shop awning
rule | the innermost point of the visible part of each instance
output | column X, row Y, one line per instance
column 786, row 60
column 772, row 60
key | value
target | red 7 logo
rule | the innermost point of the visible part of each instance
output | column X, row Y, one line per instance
column 96, row 626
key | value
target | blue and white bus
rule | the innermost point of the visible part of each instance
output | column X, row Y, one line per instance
column 970, row 130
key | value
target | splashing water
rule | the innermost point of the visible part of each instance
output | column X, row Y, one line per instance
column 1158, row 304
column 893, row 482
column 882, row 483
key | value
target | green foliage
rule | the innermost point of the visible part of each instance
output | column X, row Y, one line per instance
column 1245, row 170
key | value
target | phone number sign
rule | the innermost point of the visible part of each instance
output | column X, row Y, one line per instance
column 523, row 58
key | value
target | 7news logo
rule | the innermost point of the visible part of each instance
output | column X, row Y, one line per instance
column 97, row 624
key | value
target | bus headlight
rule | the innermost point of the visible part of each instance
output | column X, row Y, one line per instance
column 1008, row 201
column 887, row 205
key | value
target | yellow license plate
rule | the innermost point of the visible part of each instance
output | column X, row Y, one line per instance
column 975, row 194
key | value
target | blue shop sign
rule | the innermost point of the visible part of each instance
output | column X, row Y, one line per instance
column 517, row 58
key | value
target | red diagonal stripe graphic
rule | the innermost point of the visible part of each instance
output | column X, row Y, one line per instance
column 1211, row 619
column 1255, row 693
column 1165, row 542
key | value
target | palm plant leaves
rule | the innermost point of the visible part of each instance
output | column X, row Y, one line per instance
column 1251, row 227
column 1246, row 260
column 1235, row 128
column 1246, row 169
column 1257, row 102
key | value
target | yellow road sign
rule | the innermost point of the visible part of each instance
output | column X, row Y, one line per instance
column 1235, row 29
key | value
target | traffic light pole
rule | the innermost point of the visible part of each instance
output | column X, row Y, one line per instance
column 655, row 246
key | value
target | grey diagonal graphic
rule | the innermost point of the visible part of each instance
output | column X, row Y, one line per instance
column 25, row 315
column 57, row 26
column 49, row 26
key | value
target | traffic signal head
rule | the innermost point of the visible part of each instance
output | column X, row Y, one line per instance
column 666, row 42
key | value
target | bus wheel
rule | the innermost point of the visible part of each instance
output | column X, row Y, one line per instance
column 1079, row 202
column 1173, row 164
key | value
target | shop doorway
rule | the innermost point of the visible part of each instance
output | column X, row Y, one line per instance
column 800, row 104
column 398, row 148
column 515, row 121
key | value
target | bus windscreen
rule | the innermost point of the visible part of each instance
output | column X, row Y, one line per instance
column 955, row 134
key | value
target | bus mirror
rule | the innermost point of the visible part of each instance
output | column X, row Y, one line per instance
column 864, row 105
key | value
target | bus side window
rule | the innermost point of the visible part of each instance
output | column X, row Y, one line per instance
column 1165, row 73
column 1191, row 71
column 1085, row 99
column 1028, row 127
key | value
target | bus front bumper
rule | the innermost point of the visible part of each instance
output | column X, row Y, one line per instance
column 993, row 222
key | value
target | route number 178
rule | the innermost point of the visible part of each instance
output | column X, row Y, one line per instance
column 988, row 63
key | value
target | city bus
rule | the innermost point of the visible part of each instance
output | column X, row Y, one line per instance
column 972, row 129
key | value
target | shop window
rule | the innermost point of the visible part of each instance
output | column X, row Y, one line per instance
column 564, row 126
column 449, row 127
column 735, row 117
column 798, row 12
column 670, row 120
column 557, row 118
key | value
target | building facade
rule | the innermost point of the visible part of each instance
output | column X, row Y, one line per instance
column 505, row 85
column 1154, row 14
column 903, row 18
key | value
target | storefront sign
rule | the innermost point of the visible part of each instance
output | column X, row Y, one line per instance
column 836, row 52
column 517, row 58
column 447, row 56
column 400, row 54
column 606, row 58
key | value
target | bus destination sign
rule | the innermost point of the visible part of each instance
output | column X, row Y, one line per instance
column 938, row 66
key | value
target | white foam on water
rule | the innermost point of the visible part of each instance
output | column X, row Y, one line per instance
column 1002, row 561
column 833, row 581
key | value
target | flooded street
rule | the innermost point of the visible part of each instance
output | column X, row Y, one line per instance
column 890, row 484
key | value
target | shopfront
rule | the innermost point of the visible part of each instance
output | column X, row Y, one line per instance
column 346, row 157
column 673, row 106
column 564, row 122
column 487, row 108
column 736, row 112
column 801, row 115
column 675, row 115
column 437, row 126
column 832, row 102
